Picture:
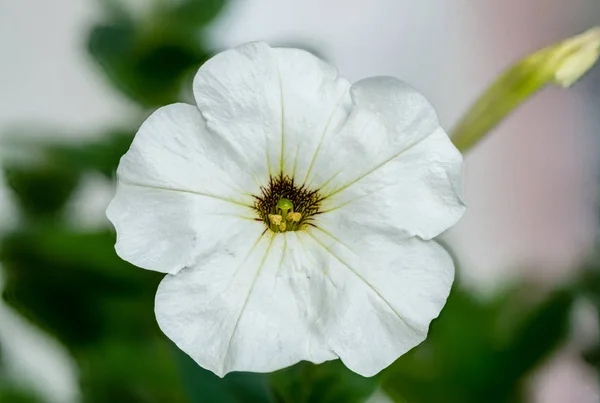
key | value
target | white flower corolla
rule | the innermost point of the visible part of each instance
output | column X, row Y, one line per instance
column 293, row 214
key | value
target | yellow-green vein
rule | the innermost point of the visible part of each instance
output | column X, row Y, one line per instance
column 360, row 277
column 241, row 313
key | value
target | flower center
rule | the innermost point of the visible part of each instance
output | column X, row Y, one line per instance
column 283, row 206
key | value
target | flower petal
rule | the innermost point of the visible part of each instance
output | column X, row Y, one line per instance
column 239, row 95
column 173, row 150
column 418, row 194
column 236, row 309
column 383, row 295
column 164, row 230
column 262, row 306
column 315, row 102
column 174, row 182
column 386, row 118
column 272, row 106
column 396, row 168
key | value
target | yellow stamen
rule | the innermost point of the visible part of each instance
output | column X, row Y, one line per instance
column 295, row 217
column 275, row 219
column 282, row 226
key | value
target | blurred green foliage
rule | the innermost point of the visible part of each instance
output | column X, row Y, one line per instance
column 41, row 190
column 203, row 386
column 71, row 283
column 590, row 289
column 15, row 395
column 330, row 382
column 481, row 351
column 148, row 59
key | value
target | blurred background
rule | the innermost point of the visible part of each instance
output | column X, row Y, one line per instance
column 78, row 77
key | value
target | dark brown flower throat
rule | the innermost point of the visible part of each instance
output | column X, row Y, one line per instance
column 285, row 206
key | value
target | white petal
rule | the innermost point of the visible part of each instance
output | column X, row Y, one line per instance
column 262, row 306
column 272, row 105
column 386, row 118
column 236, row 309
column 165, row 230
column 174, row 150
column 315, row 103
column 383, row 296
column 239, row 95
column 176, row 187
column 391, row 167
column 417, row 194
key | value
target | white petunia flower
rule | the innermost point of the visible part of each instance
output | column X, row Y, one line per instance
column 293, row 213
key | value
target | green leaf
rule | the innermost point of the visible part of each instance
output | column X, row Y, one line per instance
column 589, row 283
column 42, row 190
column 195, row 13
column 542, row 331
column 146, row 64
column 100, row 155
column 26, row 151
column 84, row 279
column 203, row 386
column 589, row 287
column 75, row 287
column 330, row 382
column 592, row 356
column 128, row 369
column 481, row 351
column 12, row 394
column 149, row 59
column 561, row 64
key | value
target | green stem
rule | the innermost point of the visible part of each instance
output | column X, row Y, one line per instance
column 561, row 64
